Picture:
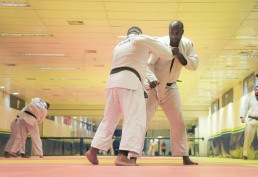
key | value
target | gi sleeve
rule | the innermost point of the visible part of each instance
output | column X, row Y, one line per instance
column 42, row 115
column 245, row 108
column 150, row 68
column 191, row 56
column 156, row 47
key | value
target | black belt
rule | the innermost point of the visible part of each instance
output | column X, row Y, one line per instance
column 169, row 84
column 30, row 114
column 256, row 118
column 116, row 70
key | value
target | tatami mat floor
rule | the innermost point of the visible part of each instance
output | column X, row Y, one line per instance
column 78, row 166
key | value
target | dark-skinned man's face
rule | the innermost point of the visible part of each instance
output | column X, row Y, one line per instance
column 175, row 35
column 256, row 91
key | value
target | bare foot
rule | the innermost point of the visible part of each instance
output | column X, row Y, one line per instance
column 23, row 155
column 6, row 154
column 187, row 161
column 91, row 155
column 122, row 160
column 12, row 154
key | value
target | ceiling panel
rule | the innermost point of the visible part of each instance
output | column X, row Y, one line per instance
column 9, row 12
column 67, row 5
column 223, row 31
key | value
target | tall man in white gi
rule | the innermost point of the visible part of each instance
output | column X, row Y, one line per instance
column 166, row 95
column 125, row 96
column 30, row 117
column 249, row 115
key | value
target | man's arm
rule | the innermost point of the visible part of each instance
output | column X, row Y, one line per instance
column 150, row 69
column 151, row 80
column 42, row 116
column 156, row 47
column 160, row 73
column 243, row 120
column 179, row 56
column 244, row 111
column 188, row 53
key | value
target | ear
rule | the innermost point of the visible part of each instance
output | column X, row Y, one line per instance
column 183, row 32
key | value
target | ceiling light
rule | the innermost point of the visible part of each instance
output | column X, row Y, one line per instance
column 90, row 51
column 74, row 87
column 252, row 46
column 75, row 22
column 10, row 64
column 218, row 78
column 79, row 94
column 250, row 56
column 99, row 65
column 121, row 37
column 57, row 68
column 228, row 68
column 2, row 87
column 14, row 4
column 236, row 69
column 44, row 54
column 30, row 79
column 239, row 56
column 15, row 93
column 247, row 37
column 62, row 78
column 24, row 34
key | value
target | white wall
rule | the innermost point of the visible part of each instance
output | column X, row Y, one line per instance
column 201, row 131
column 7, row 113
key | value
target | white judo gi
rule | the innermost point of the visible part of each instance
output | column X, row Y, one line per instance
column 168, row 97
column 250, row 109
column 29, row 123
column 125, row 93
column 13, row 134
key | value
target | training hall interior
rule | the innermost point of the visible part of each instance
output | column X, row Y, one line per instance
column 61, row 51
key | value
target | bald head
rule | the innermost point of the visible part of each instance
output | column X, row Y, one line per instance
column 176, row 24
column 135, row 30
column 176, row 31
